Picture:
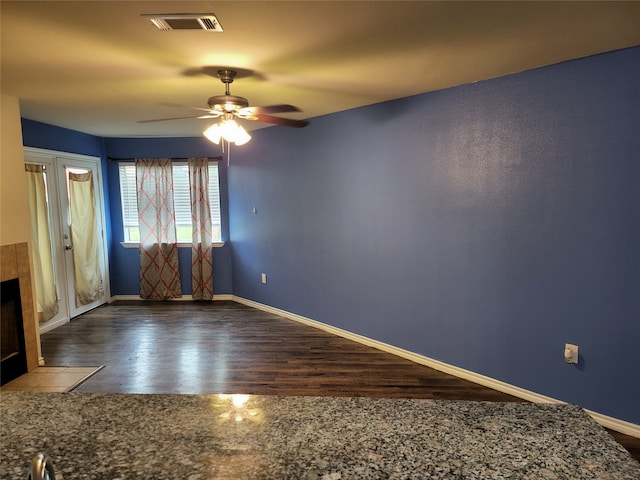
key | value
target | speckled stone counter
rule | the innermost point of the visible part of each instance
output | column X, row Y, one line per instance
column 115, row 436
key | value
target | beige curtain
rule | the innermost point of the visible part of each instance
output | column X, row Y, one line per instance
column 46, row 296
column 84, row 234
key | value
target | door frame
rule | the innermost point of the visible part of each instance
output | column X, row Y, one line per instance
column 47, row 158
column 56, row 159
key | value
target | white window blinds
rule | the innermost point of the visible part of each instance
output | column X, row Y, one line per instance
column 181, row 202
column 128, row 195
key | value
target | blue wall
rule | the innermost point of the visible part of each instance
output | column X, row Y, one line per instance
column 42, row 135
column 125, row 262
column 484, row 226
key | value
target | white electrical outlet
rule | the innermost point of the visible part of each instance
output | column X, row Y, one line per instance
column 570, row 353
column 264, row 278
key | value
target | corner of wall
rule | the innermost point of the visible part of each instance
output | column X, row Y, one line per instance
column 14, row 212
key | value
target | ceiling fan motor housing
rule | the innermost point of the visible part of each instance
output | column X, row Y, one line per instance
column 228, row 103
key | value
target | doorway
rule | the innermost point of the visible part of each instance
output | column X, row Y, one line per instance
column 69, row 245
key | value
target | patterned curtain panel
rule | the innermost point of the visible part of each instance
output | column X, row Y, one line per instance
column 201, row 250
column 159, row 272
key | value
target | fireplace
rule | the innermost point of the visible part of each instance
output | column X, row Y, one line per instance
column 12, row 350
column 20, row 339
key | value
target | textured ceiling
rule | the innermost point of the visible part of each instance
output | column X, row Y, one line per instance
column 99, row 66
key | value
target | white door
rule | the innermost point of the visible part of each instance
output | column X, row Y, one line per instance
column 82, row 233
column 78, row 244
column 49, row 271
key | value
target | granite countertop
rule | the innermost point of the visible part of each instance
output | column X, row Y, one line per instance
column 191, row 437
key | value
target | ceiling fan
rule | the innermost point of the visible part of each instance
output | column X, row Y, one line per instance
column 229, row 107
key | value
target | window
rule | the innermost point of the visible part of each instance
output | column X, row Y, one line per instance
column 181, row 202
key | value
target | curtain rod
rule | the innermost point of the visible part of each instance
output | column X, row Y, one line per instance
column 118, row 159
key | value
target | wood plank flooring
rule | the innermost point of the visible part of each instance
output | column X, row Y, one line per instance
column 226, row 347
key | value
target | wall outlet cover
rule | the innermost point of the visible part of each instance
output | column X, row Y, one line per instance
column 570, row 353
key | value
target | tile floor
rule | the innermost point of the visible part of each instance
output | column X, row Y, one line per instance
column 51, row 379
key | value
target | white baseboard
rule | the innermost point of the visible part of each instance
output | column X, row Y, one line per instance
column 616, row 424
column 48, row 326
column 604, row 420
column 223, row 296
column 184, row 298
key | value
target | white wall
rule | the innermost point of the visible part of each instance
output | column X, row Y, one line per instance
column 14, row 209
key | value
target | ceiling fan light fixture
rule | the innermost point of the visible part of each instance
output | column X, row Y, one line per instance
column 242, row 136
column 228, row 130
column 213, row 133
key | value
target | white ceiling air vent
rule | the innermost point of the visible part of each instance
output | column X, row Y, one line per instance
column 185, row 21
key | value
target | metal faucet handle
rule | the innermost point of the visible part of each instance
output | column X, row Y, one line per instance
column 41, row 468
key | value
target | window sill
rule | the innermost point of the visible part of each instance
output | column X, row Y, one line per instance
column 180, row 244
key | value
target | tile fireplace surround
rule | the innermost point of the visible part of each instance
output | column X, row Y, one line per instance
column 14, row 263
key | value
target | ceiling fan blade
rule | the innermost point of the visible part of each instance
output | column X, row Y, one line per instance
column 269, row 109
column 177, row 118
column 179, row 105
column 287, row 122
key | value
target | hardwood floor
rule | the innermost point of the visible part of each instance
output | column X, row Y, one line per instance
column 226, row 347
